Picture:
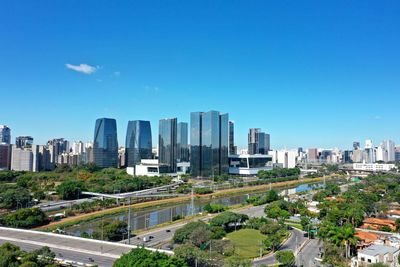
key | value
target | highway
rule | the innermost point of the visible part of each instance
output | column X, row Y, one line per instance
column 162, row 236
column 67, row 247
column 307, row 256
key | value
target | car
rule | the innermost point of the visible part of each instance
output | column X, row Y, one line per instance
column 91, row 259
column 168, row 231
column 151, row 237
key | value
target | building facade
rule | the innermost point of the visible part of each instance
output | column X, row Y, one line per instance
column 209, row 142
column 232, row 147
column 5, row 156
column 182, row 142
column 138, row 143
column 167, row 143
column 258, row 142
column 24, row 141
column 5, row 135
column 105, row 145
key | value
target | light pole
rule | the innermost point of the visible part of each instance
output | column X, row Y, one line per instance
column 129, row 221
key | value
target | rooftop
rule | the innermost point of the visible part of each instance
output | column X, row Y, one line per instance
column 376, row 250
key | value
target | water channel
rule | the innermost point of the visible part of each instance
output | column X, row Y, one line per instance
column 153, row 216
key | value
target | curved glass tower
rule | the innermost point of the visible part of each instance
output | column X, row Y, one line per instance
column 138, row 143
column 105, row 145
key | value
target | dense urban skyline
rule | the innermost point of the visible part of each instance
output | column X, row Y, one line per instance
column 327, row 80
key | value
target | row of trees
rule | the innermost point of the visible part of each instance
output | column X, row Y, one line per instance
column 13, row 256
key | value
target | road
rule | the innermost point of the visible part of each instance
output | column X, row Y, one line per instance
column 67, row 247
column 306, row 257
column 293, row 243
column 162, row 236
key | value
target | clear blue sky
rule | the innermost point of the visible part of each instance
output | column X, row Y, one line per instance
column 311, row 73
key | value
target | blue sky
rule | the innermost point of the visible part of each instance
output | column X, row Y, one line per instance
column 311, row 73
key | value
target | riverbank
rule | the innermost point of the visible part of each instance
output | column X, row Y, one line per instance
column 74, row 220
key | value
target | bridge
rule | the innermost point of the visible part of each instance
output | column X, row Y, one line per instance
column 75, row 250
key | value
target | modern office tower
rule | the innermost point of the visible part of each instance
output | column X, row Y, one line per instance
column 21, row 159
column 57, row 147
column 232, row 147
column 312, row 155
column 138, row 143
column 78, row 148
column 182, row 154
column 88, row 155
column 369, row 152
column 286, row 158
column 358, row 156
column 258, row 142
column 5, row 156
column 347, row 156
column 388, row 147
column 167, row 139
column 397, row 153
column 209, row 143
column 105, row 145
column 326, row 156
column 5, row 135
column 24, row 141
column 356, row 145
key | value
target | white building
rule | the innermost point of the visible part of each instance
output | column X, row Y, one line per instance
column 389, row 148
column 151, row 167
column 373, row 167
column 21, row 159
column 377, row 254
column 78, row 148
column 249, row 164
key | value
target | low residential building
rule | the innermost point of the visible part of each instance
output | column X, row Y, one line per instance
column 377, row 254
column 151, row 167
column 366, row 239
column 378, row 224
column 393, row 214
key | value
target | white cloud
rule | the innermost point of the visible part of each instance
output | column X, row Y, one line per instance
column 117, row 73
column 83, row 68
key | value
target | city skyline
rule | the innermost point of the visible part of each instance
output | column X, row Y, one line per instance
column 306, row 83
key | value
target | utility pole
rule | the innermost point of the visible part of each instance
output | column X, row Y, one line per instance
column 192, row 202
column 129, row 221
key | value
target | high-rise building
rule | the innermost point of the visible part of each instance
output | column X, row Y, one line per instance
column 347, row 156
column 209, row 136
column 24, row 141
column 5, row 135
column 138, row 143
column 57, row 147
column 356, row 145
column 369, row 152
column 21, row 159
column 258, row 142
column 232, row 147
column 167, row 143
column 5, row 156
column 105, row 145
column 312, row 155
column 397, row 154
column 182, row 142
column 78, row 148
column 389, row 150
column 40, row 158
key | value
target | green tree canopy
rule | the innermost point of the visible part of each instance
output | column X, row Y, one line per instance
column 141, row 257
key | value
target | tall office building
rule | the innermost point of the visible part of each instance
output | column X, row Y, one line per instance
column 389, row 148
column 182, row 142
column 57, row 147
column 21, row 159
column 369, row 152
column 209, row 142
column 397, row 153
column 167, row 143
column 356, row 145
column 5, row 156
column 78, row 148
column 232, row 147
column 24, row 141
column 312, row 155
column 5, row 135
column 105, row 145
column 258, row 142
column 138, row 143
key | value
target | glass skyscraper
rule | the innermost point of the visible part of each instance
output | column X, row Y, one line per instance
column 167, row 143
column 5, row 135
column 138, row 144
column 182, row 142
column 259, row 142
column 24, row 141
column 232, row 147
column 105, row 145
column 209, row 143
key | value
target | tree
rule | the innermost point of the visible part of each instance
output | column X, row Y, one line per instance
column 228, row 218
column 14, row 198
column 9, row 255
column 113, row 231
column 214, row 208
column 182, row 235
column 199, row 236
column 26, row 218
column 141, row 257
column 70, row 189
column 237, row 261
column 272, row 242
column 286, row 258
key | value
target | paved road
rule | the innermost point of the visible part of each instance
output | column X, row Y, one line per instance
column 71, row 248
column 162, row 236
column 76, row 257
column 293, row 243
column 307, row 256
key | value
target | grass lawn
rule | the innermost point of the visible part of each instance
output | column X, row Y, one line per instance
column 247, row 242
